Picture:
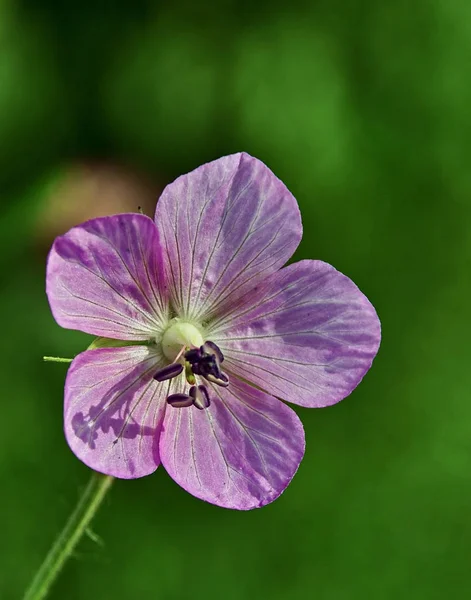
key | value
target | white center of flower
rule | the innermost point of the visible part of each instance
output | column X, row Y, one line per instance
column 179, row 334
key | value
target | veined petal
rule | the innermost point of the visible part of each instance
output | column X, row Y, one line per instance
column 240, row 453
column 309, row 340
column 225, row 226
column 114, row 409
column 105, row 277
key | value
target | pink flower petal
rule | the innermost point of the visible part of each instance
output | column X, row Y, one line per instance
column 240, row 453
column 104, row 277
column 309, row 340
column 225, row 226
column 114, row 409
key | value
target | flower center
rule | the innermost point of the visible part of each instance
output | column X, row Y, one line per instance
column 179, row 334
column 182, row 343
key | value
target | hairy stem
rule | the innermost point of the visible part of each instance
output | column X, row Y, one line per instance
column 75, row 528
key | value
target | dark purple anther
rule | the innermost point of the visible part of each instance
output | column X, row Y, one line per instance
column 208, row 364
column 206, row 361
column 222, row 380
column 211, row 348
column 193, row 356
column 200, row 396
column 196, row 369
column 180, row 400
column 168, row 372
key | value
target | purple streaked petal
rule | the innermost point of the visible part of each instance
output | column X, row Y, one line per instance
column 104, row 277
column 114, row 410
column 309, row 340
column 240, row 453
column 225, row 226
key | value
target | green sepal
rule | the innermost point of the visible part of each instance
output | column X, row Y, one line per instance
column 57, row 359
column 102, row 342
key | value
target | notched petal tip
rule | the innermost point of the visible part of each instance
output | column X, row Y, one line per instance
column 244, row 224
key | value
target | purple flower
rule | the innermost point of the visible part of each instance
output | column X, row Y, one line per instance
column 215, row 332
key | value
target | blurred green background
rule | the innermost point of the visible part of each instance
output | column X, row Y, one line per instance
column 363, row 109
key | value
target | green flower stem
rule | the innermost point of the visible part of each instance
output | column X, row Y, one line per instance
column 75, row 528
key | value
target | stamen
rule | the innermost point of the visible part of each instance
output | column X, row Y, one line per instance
column 180, row 400
column 222, row 380
column 206, row 361
column 169, row 372
column 211, row 348
column 208, row 364
column 200, row 396
column 193, row 356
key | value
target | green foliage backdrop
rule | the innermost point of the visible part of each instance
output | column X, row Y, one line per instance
column 362, row 109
